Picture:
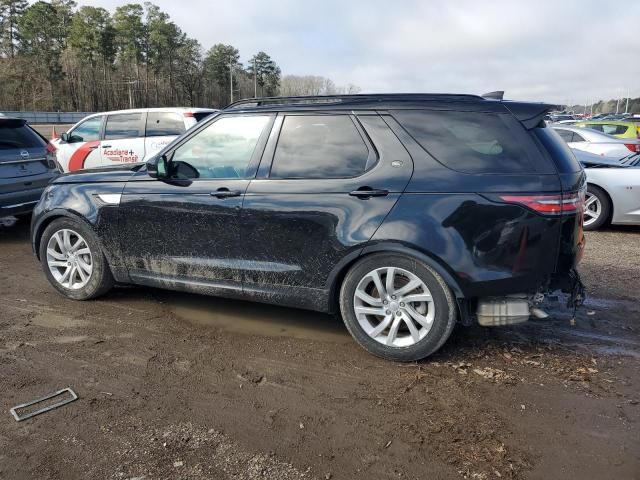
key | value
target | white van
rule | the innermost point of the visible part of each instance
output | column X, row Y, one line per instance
column 123, row 136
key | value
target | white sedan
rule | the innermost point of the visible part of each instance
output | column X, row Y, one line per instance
column 599, row 143
column 613, row 190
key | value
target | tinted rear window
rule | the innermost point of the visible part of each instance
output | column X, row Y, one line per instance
column 13, row 136
column 161, row 124
column 472, row 142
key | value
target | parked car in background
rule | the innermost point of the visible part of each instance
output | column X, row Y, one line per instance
column 27, row 165
column 618, row 129
column 124, row 136
column 596, row 142
column 405, row 213
column 613, row 190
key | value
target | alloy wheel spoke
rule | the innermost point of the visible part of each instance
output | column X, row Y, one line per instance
column 76, row 245
column 382, row 326
column 65, row 275
column 390, row 281
column 365, row 297
column 421, row 319
column 83, row 275
column 591, row 200
column 58, row 263
column 417, row 297
column 378, row 283
column 412, row 285
column 66, row 240
column 393, row 331
column 58, row 256
column 84, row 266
column 370, row 310
column 415, row 334
column 83, row 251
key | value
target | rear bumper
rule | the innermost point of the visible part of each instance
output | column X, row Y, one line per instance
column 16, row 203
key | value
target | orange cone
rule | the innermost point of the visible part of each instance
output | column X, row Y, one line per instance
column 54, row 135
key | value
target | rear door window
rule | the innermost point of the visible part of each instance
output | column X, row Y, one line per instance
column 319, row 146
column 162, row 124
column 473, row 142
column 123, row 125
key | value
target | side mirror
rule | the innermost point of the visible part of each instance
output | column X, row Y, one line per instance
column 158, row 167
column 64, row 137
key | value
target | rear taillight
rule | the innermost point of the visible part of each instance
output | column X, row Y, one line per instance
column 549, row 204
column 52, row 160
column 189, row 114
column 634, row 147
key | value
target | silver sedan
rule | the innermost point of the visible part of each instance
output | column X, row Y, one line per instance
column 613, row 190
column 596, row 142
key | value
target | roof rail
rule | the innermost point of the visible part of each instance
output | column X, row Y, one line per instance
column 347, row 99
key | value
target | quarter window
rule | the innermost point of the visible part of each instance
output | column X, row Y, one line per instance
column 87, row 131
column 161, row 124
column 471, row 142
column 319, row 146
column 124, row 125
column 223, row 149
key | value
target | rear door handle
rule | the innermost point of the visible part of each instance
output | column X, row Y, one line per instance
column 225, row 193
column 366, row 192
column 106, row 146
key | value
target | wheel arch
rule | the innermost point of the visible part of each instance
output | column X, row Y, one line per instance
column 339, row 272
column 45, row 221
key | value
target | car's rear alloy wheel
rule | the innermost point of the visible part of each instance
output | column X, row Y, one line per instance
column 597, row 207
column 397, row 307
column 69, row 259
column 73, row 261
column 394, row 307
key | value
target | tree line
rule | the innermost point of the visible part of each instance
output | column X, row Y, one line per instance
column 55, row 56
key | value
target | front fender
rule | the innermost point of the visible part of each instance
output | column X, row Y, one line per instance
column 95, row 204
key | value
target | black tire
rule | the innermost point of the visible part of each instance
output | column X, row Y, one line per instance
column 101, row 279
column 605, row 208
column 446, row 311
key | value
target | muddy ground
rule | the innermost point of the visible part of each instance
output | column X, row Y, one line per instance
column 179, row 386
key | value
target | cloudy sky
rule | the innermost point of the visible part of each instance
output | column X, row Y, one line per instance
column 565, row 51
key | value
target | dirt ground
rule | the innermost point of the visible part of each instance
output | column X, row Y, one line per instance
column 177, row 386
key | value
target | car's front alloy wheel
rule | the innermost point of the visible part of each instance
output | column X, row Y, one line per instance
column 597, row 208
column 69, row 259
column 73, row 261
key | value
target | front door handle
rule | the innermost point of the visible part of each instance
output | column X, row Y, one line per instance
column 106, row 146
column 367, row 192
column 225, row 193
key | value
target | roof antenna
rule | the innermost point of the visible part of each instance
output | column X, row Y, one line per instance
column 497, row 95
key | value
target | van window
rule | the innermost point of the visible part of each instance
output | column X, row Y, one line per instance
column 471, row 142
column 87, row 131
column 123, row 125
column 162, row 124
column 319, row 146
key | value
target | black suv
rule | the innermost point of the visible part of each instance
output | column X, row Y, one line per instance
column 27, row 164
column 405, row 213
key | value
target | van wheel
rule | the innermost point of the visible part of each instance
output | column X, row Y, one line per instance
column 396, row 307
column 73, row 261
column 597, row 208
